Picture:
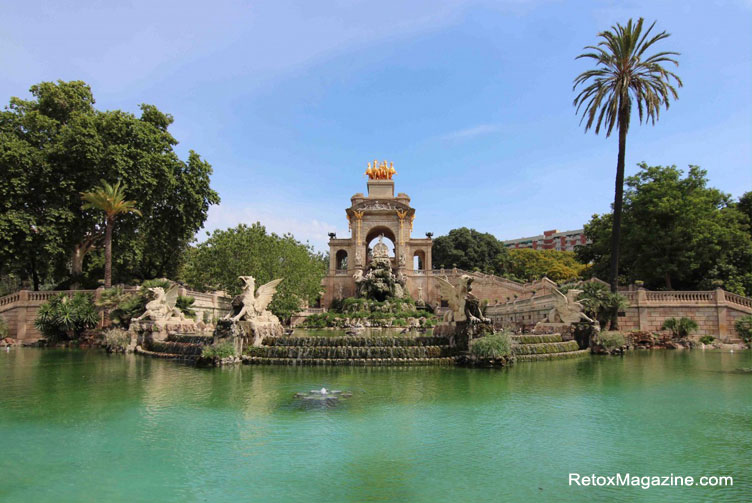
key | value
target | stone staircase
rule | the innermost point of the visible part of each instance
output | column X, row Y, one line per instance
column 351, row 351
column 177, row 346
column 529, row 347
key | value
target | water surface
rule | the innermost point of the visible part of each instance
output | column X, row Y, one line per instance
column 84, row 426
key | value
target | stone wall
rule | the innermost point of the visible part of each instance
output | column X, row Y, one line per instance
column 20, row 309
column 715, row 311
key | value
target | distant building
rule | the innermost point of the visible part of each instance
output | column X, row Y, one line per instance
column 551, row 240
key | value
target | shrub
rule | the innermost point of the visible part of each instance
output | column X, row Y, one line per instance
column 184, row 303
column 3, row 328
column 707, row 339
column 116, row 339
column 223, row 349
column 492, row 346
column 64, row 317
column 743, row 327
column 611, row 340
column 680, row 328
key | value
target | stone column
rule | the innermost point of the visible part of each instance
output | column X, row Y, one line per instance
column 642, row 310
column 720, row 309
column 23, row 303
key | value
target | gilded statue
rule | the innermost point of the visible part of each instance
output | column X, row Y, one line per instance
column 383, row 171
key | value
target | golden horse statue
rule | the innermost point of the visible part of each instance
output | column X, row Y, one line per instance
column 383, row 171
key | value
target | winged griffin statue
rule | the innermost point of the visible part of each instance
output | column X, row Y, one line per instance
column 162, row 308
column 250, row 305
column 463, row 305
column 566, row 308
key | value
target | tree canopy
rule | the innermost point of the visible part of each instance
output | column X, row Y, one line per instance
column 242, row 251
column 57, row 145
column 469, row 249
column 526, row 264
column 678, row 233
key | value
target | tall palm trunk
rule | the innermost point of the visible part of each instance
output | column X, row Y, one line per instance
column 108, row 253
column 618, row 201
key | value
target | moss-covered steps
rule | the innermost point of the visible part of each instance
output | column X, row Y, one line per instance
column 531, row 347
column 178, row 346
column 351, row 351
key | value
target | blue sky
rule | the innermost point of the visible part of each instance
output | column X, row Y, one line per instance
column 471, row 100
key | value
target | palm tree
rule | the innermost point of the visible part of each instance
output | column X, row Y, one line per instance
column 111, row 200
column 624, row 75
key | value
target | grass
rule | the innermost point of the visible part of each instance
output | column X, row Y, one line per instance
column 611, row 340
column 223, row 349
column 492, row 346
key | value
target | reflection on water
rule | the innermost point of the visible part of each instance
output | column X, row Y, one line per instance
column 85, row 426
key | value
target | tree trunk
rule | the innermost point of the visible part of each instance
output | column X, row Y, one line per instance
column 108, row 253
column 77, row 259
column 668, row 282
column 618, row 199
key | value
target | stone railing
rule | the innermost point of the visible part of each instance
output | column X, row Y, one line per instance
column 19, row 309
column 688, row 297
column 715, row 311
column 738, row 299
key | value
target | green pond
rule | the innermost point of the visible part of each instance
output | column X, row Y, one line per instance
column 84, row 426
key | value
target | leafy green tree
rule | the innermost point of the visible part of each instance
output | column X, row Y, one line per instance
column 677, row 233
column 57, row 145
column 109, row 199
column 251, row 251
column 469, row 249
column 527, row 264
column 624, row 75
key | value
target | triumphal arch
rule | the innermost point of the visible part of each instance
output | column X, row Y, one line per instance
column 379, row 216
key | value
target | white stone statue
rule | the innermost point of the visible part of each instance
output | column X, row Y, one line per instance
column 566, row 308
column 358, row 258
column 455, row 297
column 380, row 250
column 253, row 305
column 162, row 308
column 420, row 294
column 402, row 259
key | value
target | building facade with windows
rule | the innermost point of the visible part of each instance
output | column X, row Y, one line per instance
column 551, row 240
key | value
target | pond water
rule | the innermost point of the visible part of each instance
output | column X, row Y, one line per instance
column 84, row 426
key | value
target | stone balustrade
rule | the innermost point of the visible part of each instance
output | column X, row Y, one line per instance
column 715, row 311
column 19, row 309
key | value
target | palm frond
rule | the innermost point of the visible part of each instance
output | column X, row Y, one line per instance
column 623, row 76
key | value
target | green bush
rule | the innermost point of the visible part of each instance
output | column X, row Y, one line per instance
column 743, row 327
column 223, row 349
column 116, row 339
column 611, row 340
column 3, row 328
column 492, row 346
column 184, row 303
column 680, row 328
column 707, row 339
column 64, row 317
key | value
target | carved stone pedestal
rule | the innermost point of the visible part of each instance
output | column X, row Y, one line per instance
column 247, row 333
column 460, row 333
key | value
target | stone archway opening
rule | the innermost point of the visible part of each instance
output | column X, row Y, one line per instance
column 341, row 260
column 419, row 260
column 374, row 234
